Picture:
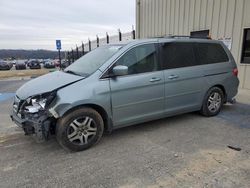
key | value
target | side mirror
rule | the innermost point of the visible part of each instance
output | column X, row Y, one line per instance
column 120, row 70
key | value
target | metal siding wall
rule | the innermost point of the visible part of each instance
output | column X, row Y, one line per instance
column 237, row 37
column 237, row 29
column 176, row 17
column 209, row 16
column 186, row 17
column 172, row 16
column 224, row 18
column 138, row 20
column 158, row 26
column 230, row 18
column 160, row 16
column 153, row 18
column 148, row 19
column 181, row 17
column 191, row 19
column 143, row 11
column 166, row 18
column 215, row 19
column 168, row 21
column 197, row 15
column 203, row 14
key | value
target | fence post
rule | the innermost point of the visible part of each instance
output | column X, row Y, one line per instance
column 107, row 35
column 133, row 32
column 89, row 45
column 97, row 41
column 72, row 55
column 82, row 48
column 120, row 35
column 68, row 57
column 77, row 53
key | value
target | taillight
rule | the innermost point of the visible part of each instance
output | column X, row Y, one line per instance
column 235, row 72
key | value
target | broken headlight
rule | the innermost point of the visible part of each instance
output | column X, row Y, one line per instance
column 40, row 102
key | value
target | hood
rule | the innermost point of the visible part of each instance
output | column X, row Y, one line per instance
column 46, row 83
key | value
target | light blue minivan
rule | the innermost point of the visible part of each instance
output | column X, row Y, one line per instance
column 123, row 84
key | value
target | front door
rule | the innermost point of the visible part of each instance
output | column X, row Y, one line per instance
column 138, row 96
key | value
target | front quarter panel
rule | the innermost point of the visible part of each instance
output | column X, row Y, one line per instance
column 85, row 92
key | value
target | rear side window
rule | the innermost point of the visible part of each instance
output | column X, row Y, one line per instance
column 209, row 53
column 177, row 55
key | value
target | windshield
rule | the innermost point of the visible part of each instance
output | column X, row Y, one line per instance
column 92, row 61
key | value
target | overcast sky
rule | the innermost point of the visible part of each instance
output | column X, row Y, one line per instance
column 36, row 24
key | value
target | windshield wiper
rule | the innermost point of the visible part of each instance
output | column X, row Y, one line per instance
column 72, row 72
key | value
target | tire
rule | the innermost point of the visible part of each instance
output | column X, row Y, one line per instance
column 212, row 102
column 79, row 129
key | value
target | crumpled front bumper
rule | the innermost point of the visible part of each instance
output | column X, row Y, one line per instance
column 37, row 125
column 19, row 122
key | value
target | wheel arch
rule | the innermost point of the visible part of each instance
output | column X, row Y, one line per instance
column 106, row 119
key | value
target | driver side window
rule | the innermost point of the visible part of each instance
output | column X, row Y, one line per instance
column 140, row 59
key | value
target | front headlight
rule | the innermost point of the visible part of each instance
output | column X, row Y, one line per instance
column 40, row 102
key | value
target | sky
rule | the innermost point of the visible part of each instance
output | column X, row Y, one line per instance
column 36, row 24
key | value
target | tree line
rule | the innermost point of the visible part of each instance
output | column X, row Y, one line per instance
column 29, row 54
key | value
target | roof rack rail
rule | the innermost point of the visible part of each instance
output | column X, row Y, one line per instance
column 187, row 36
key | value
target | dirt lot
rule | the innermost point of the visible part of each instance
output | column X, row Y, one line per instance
column 23, row 73
column 183, row 151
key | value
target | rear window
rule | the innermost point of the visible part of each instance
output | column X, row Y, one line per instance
column 177, row 55
column 209, row 53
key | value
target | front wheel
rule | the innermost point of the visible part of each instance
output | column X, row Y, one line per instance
column 80, row 129
column 212, row 102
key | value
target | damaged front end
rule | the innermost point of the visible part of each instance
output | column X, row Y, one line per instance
column 33, row 116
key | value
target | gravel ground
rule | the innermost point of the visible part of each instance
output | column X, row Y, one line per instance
column 182, row 151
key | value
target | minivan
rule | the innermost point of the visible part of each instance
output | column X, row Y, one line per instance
column 123, row 84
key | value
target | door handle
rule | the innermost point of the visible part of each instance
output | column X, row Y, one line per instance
column 155, row 79
column 171, row 77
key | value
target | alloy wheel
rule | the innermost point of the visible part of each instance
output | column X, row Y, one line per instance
column 214, row 102
column 81, row 130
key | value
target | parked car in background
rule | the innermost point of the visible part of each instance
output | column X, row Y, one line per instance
column 5, row 65
column 49, row 64
column 34, row 64
column 41, row 61
column 20, row 64
column 56, row 62
column 65, row 63
column 29, row 61
column 13, row 62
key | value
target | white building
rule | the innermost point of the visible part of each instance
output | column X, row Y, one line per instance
column 227, row 20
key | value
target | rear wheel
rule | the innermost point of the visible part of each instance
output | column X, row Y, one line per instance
column 80, row 129
column 212, row 102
